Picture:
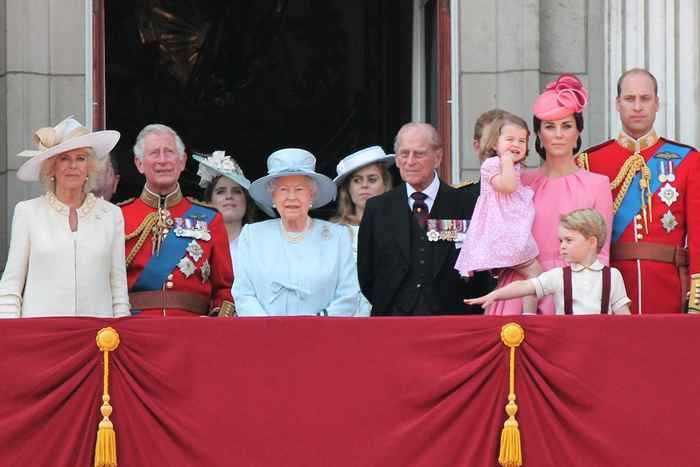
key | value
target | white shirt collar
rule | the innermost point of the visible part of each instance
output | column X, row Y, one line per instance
column 596, row 266
column 431, row 192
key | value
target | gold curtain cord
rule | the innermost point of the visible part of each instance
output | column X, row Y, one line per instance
column 511, row 454
column 106, row 444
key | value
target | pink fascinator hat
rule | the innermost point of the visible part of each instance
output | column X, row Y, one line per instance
column 561, row 98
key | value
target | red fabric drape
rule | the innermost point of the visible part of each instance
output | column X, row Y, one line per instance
column 592, row 391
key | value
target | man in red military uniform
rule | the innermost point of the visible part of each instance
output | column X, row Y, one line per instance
column 178, row 259
column 655, row 186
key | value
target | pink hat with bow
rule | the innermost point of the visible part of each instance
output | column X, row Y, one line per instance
column 561, row 98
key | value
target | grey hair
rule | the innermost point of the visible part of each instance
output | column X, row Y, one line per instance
column 161, row 129
column 435, row 140
column 95, row 166
column 272, row 185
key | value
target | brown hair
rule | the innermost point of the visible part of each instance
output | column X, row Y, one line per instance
column 488, row 149
column 637, row 71
column 251, row 211
column 346, row 213
column 587, row 222
column 484, row 119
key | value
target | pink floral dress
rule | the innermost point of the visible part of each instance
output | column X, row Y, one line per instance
column 500, row 230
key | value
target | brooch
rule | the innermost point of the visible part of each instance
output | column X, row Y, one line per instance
column 206, row 271
column 186, row 266
column 325, row 232
column 669, row 221
column 668, row 194
column 195, row 250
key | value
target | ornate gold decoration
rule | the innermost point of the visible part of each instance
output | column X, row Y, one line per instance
column 106, row 445
column 227, row 309
column 694, row 302
column 511, row 455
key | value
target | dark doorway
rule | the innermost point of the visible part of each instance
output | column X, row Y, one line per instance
column 250, row 77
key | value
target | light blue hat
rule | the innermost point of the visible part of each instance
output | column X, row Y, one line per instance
column 219, row 163
column 359, row 159
column 292, row 161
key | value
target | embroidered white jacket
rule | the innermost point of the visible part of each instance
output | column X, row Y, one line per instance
column 52, row 271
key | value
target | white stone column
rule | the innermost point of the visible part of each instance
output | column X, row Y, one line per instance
column 42, row 80
column 661, row 36
column 499, row 64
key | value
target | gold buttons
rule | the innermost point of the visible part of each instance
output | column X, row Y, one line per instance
column 170, row 277
column 640, row 236
column 638, row 217
column 169, row 285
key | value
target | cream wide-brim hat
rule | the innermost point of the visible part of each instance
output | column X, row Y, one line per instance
column 359, row 159
column 66, row 136
column 293, row 161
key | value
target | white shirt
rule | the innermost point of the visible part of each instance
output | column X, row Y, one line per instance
column 586, row 288
column 431, row 192
column 52, row 271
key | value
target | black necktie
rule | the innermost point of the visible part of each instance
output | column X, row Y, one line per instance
column 420, row 208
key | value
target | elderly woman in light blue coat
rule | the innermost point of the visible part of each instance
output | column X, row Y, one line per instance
column 294, row 265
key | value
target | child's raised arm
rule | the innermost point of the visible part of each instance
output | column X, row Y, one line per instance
column 507, row 180
column 515, row 289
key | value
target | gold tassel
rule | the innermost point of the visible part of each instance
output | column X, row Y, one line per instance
column 511, row 454
column 106, row 445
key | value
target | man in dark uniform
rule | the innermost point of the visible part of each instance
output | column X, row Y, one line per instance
column 410, row 237
column 655, row 185
column 178, row 258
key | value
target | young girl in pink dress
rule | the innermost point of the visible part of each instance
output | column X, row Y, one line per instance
column 500, row 231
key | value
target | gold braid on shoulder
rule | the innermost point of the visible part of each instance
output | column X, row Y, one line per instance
column 629, row 169
column 143, row 231
column 582, row 161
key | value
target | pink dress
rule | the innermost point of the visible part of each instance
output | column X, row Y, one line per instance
column 500, row 230
column 555, row 196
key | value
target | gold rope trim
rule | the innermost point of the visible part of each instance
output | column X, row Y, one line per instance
column 144, row 230
column 511, row 454
column 106, row 444
column 582, row 161
column 624, row 177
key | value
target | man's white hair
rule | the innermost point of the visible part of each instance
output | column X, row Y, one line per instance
column 161, row 129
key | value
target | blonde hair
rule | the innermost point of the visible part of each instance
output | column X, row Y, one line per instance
column 493, row 132
column 587, row 222
column 95, row 166
column 347, row 212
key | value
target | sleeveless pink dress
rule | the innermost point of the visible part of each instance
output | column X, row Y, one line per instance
column 500, row 230
column 555, row 196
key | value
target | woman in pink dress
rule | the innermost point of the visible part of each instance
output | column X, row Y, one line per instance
column 559, row 185
column 500, row 231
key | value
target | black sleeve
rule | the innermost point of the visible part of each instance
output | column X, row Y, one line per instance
column 365, row 251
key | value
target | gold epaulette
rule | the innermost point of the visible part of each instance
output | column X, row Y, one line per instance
column 463, row 184
column 582, row 161
column 199, row 203
column 126, row 201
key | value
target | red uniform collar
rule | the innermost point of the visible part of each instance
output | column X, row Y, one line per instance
column 637, row 145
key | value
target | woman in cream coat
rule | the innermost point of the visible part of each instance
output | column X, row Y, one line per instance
column 66, row 254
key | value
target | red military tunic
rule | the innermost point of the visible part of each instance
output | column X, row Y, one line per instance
column 654, row 285
column 204, row 273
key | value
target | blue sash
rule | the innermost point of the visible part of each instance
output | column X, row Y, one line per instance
column 172, row 250
column 632, row 202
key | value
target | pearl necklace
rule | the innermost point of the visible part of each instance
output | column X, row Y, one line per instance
column 295, row 237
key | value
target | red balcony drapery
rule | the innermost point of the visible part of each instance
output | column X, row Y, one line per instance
column 592, row 391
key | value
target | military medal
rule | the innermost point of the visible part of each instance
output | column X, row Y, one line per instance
column 670, row 177
column 195, row 250
column 451, row 230
column 206, row 271
column 668, row 194
column 186, row 266
column 662, row 171
column 669, row 221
